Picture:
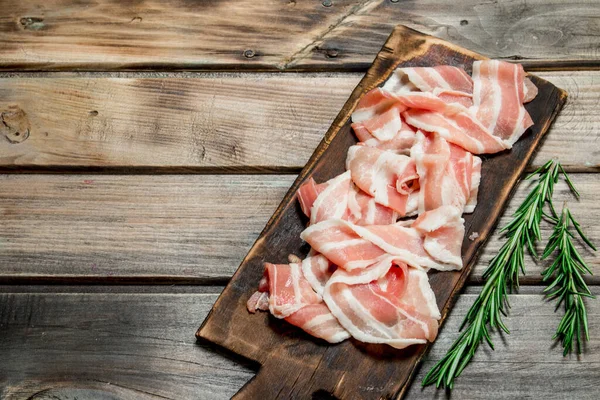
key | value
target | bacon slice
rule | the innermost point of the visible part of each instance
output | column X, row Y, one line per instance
column 498, row 97
column 460, row 128
column 332, row 201
column 356, row 247
column 371, row 104
column 475, row 179
column 445, row 172
column 401, row 143
column 364, row 210
column 317, row 270
column 444, row 231
column 386, row 176
column 427, row 79
column 318, row 321
column 290, row 296
column 385, row 303
column 340, row 198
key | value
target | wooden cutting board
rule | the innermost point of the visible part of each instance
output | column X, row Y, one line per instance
column 295, row 365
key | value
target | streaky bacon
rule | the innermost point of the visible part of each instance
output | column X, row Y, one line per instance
column 291, row 297
column 371, row 104
column 459, row 128
column 400, row 143
column 340, row 198
column 428, row 79
column 385, row 303
column 444, row 230
column 364, row 210
column 445, row 172
column 386, row 176
column 318, row 321
column 317, row 270
column 475, row 179
column 498, row 97
column 351, row 247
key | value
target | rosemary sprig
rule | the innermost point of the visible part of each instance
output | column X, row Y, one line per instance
column 565, row 277
column 501, row 277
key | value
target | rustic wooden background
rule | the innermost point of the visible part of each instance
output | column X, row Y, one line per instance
column 143, row 146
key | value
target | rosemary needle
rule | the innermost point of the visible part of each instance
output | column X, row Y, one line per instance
column 566, row 281
column 501, row 276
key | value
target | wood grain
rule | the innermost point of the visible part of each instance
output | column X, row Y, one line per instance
column 302, row 368
column 127, row 345
column 221, row 122
column 109, row 346
column 282, row 35
column 177, row 228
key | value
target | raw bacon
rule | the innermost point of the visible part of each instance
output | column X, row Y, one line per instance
column 445, row 173
column 354, row 247
column 428, row 79
column 460, row 128
column 386, row 176
column 498, row 98
column 387, row 303
column 366, row 272
column 340, row 198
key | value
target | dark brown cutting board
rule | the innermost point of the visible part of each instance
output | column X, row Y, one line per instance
column 295, row 365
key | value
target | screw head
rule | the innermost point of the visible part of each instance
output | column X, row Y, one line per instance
column 249, row 53
column 327, row 3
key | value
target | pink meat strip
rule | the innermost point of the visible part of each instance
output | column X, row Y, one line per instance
column 445, row 173
column 475, row 180
column 386, row 303
column 317, row 270
column 373, row 103
column 400, row 143
column 444, row 230
column 498, row 97
column 340, row 198
column 387, row 177
column 291, row 297
column 459, row 128
column 355, row 247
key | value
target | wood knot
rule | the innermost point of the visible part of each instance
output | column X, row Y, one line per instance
column 32, row 23
column 14, row 125
column 331, row 53
column 464, row 22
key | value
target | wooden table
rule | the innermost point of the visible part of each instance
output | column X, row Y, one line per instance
column 143, row 146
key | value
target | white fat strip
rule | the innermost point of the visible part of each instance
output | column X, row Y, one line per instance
column 497, row 97
column 389, row 130
column 310, row 275
column 333, row 185
column 440, row 253
column 371, row 212
column 398, row 83
column 380, row 178
column 475, row 180
column 386, row 337
column 321, row 226
column 518, row 129
column 403, row 312
column 442, row 83
column 416, row 79
column 353, row 205
column 425, row 287
column 476, row 85
column 364, row 113
column 318, row 320
column 341, row 244
column 375, row 271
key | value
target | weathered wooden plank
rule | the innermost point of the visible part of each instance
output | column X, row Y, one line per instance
column 110, row 345
column 207, row 122
column 138, row 346
column 175, row 228
column 291, row 368
column 279, row 35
